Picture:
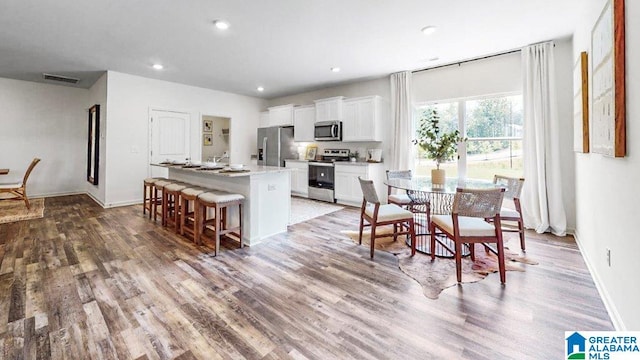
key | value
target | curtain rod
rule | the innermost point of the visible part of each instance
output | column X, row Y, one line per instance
column 466, row 61
column 482, row 57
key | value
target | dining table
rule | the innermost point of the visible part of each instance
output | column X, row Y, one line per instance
column 434, row 199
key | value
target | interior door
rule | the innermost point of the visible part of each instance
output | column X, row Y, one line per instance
column 169, row 138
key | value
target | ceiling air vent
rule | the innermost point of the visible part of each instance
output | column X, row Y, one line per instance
column 60, row 78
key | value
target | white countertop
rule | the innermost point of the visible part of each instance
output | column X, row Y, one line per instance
column 253, row 170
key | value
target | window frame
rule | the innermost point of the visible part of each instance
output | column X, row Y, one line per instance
column 462, row 117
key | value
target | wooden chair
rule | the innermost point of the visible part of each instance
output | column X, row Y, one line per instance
column 398, row 199
column 380, row 215
column 467, row 225
column 513, row 188
column 219, row 201
column 404, row 200
column 19, row 189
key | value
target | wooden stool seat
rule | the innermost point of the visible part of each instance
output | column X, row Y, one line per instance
column 219, row 201
column 147, row 195
column 188, row 219
column 171, row 205
column 157, row 195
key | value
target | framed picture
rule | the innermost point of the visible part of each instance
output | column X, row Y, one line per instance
column 93, row 145
column 311, row 153
column 207, row 139
column 207, row 126
column 608, row 114
column 581, row 104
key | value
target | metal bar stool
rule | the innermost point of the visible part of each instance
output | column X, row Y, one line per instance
column 148, row 200
column 219, row 201
column 188, row 199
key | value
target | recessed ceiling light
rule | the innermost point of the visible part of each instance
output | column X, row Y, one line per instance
column 335, row 69
column 428, row 30
column 260, row 88
column 158, row 66
column 435, row 58
column 221, row 24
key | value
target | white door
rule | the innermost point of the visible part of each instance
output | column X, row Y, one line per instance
column 169, row 138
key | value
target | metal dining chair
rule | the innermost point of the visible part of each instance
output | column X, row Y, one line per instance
column 467, row 225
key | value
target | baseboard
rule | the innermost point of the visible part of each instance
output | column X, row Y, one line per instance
column 94, row 199
column 122, row 203
column 616, row 319
column 48, row 195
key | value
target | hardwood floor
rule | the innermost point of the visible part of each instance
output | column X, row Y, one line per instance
column 85, row 282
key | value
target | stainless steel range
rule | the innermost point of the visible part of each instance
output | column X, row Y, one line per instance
column 322, row 174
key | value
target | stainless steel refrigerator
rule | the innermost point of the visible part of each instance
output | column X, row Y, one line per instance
column 275, row 144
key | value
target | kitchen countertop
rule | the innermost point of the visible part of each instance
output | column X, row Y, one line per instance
column 253, row 170
column 296, row 160
column 357, row 163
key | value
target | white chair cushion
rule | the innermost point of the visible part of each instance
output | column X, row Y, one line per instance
column 509, row 213
column 161, row 183
column 219, row 197
column 389, row 212
column 399, row 199
column 193, row 191
column 174, row 187
column 11, row 185
column 469, row 226
column 153, row 180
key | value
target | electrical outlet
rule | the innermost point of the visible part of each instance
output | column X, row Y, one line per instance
column 271, row 187
column 609, row 257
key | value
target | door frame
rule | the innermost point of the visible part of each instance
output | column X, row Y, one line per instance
column 150, row 130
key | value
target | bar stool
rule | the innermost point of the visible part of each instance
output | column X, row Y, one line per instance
column 219, row 201
column 158, row 187
column 147, row 194
column 171, row 205
column 187, row 216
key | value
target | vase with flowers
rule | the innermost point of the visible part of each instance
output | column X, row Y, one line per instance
column 438, row 145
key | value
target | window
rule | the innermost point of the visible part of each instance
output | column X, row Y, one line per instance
column 494, row 128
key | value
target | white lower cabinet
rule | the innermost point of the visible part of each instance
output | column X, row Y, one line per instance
column 347, row 187
column 299, row 177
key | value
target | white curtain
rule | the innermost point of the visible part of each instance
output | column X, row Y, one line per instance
column 542, row 205
column 402, row 149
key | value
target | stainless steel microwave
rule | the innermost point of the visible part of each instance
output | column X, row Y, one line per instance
column 328, row 131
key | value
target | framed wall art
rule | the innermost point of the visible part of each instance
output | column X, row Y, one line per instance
column 207, row 126
column 608, row 115
column 581, row 104
column 93, row 145
column 207, row 139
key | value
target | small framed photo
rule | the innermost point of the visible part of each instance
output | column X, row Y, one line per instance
column 207, row 139
column 311, row 153
column 207, row 126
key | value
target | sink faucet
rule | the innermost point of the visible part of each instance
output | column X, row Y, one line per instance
column 224, row 155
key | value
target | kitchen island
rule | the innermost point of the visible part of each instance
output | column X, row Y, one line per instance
column 267, row 192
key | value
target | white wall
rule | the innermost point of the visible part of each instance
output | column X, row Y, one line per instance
column 49, row 122
column 98, row 95
column 129, row 99
column 606, row 188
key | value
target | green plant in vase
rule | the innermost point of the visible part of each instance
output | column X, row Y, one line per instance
column 438, row 145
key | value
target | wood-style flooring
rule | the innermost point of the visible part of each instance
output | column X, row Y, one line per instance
column 92, row 283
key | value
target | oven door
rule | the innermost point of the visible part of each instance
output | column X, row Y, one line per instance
column 321, row 175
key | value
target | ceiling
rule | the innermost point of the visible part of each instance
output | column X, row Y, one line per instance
column 287, row 46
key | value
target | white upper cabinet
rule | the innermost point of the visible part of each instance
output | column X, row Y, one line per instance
column 303, row 119
column 363, row 118
column 329, row 109
column 281, row 115
column 264, row 119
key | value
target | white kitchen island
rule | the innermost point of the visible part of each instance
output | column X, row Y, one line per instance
column 267, row 191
